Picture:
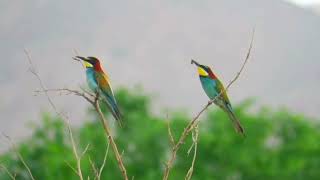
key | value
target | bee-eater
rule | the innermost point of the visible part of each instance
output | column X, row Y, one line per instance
column 214, row 89
column 98, row 82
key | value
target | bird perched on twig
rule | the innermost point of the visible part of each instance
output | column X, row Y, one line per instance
column 98, row 82
column 216, row 92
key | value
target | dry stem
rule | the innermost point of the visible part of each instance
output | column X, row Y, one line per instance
column 19, row 155
column 194, row 146
column 96, row 172
column 62, row 115
column 111, row 140
column 5, row 169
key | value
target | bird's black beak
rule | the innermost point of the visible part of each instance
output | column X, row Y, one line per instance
column 80, row 58
column 194, row 62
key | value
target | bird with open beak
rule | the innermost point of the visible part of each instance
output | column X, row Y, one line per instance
column 99, row 82
column 214, row 89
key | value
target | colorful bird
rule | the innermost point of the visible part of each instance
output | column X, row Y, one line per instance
column 215, row 91
column 98, row 82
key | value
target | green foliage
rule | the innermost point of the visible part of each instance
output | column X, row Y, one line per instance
column 278, row 145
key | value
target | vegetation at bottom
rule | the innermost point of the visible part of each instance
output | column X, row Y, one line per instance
column 278, row 145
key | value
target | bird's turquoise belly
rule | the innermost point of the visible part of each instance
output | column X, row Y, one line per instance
column 209, row 86
column 91, row 80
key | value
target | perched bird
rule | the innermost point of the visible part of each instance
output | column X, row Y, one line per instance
column 215, row 91
column 98, row 82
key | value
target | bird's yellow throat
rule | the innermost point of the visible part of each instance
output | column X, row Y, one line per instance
column 86, row 64
column 202, row 72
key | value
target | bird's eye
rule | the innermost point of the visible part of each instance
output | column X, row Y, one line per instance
column 205, row 68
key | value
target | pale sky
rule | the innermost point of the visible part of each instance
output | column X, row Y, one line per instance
column 305, row 2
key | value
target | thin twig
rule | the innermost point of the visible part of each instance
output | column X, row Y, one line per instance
column 104, row 161
column 245, row 61
column 87, row 92
column 192, row 123
column 74, row 149
column 71, row 167
column 194, row 146
column 85, row 150
column 76, row 53
column 19, row 155
column 170, row 135
column 171, row 138
column 34, row 72
column 96, row 173
column 72, row 91
column 62, row 115
column 5, row 169
column 103, row 121
column 111, row 140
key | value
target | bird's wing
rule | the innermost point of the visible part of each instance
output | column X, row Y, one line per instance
column 224, row 103
column 104, row 84
column 105, row 87
column 220, row 89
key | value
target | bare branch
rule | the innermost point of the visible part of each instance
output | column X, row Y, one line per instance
column 111, row 140
column 96, row 173
column 73, row 169
column 103, row 121
column 74, row 149
column 85, row 150
column 104, row 161
column 245, row 61
column 76, row 53
column 72, row 91
column 170, row 135
column 170, row 132
column 194, row 146
column 192, row 123
column 99, row 173
column 5, row 169
column 62, row 115
column 87, row 92
column 34, row 72
column 19, row 155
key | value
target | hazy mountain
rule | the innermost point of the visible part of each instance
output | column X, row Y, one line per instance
column 315, row 8
column 151, row 43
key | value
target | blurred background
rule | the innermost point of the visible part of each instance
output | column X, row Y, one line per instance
column 147, row 46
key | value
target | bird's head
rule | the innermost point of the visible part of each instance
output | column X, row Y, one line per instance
column 203, row 70
column 89, row 62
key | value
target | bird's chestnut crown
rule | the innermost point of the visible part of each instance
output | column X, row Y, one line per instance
column 92, row 60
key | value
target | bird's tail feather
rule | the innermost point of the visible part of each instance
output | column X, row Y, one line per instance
column 235, row 121
column 116, row 114
column 113, row 107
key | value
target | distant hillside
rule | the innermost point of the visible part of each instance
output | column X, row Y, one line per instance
column 316, row 8
column 151, row 43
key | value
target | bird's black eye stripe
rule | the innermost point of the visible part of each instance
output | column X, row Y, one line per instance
column 92, row 59
column 204, row 67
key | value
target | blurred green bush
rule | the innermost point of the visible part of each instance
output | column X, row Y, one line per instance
column 279, row 145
